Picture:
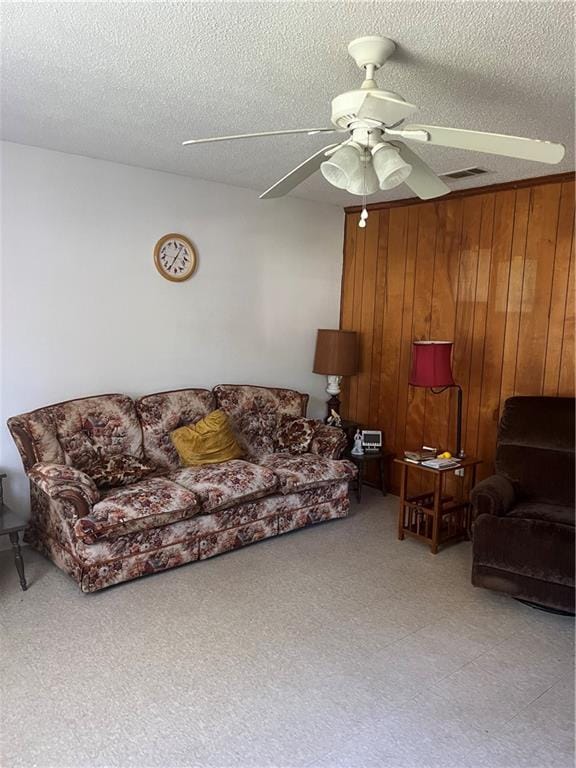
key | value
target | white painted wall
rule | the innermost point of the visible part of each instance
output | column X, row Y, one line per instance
column 84, row 310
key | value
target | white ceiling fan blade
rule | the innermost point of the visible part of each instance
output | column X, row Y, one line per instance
column 309, row 131
column 384, row 109
column 297, row 175
column 412, row 135
column 492, row 143
column 422, row 180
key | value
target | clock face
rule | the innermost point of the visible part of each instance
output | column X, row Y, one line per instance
column 175, row 257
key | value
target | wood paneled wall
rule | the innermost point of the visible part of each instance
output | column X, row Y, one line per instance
column 492, row 270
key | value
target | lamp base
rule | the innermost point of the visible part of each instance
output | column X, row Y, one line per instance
column 333, row 385
column 333, row 404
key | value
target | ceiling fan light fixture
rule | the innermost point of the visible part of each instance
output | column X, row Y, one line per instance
column 390, row 168
column 364, row 181
column 342, row 166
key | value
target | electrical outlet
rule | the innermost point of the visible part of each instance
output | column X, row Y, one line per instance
column 459, row 472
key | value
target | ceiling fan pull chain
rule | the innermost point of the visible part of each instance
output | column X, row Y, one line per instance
column 364, row 214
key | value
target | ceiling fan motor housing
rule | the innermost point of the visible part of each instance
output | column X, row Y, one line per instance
column 345, row 106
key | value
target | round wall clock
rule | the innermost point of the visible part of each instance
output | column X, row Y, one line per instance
column 175, row 257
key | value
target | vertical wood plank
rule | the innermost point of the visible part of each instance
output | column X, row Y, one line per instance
column 479, row 325
column 560, row 294
column 392, row 322
column 406, row 338
column 444, row 295
column 495, row 328
column 379, row 307
column 421, row 314
column 514, row 301
column 465, row 308
column 566, row 382
column 356, row 314
column 536, row 289
column 347, row 297
column 366, row 319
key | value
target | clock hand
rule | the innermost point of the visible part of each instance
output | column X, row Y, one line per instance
column 175, row 257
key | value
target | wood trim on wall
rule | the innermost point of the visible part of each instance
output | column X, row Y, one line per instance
column 557, row 178
column 492, row 270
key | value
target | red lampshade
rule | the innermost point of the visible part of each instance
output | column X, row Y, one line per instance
column 431, row 364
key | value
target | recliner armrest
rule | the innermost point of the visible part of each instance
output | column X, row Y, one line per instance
column 329, row 442
column 494, row 495
column 60, row 481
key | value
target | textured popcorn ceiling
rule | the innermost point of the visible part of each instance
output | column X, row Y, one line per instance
column 129, row 81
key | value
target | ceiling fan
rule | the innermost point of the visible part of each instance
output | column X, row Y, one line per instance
column 374, row 156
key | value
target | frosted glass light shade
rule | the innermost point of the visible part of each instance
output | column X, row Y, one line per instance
column 390, row 168
column 364, row 181
column 341, row 166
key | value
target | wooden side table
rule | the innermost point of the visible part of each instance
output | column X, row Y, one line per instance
column 382, row 457
column 349, row 428
column 11, row 524
column 435, row 517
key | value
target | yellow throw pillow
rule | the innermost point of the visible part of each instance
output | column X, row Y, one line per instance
column 209, row 441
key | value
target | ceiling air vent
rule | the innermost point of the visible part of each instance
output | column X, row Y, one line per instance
column 464, row 173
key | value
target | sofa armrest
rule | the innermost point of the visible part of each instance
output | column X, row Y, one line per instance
column 59, row 481
column 493, row 496
column 329, row 442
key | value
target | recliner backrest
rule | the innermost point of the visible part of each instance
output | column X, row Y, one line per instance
column 535, row 449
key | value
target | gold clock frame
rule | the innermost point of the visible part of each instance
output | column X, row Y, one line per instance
column 193, row 256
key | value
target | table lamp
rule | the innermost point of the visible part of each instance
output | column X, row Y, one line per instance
column 431, row 368
column 336, row 356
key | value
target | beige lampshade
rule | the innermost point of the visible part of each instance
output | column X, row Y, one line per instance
column 336, row 353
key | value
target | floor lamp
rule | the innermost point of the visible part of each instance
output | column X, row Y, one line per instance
column 431, row 368
column 336, row 356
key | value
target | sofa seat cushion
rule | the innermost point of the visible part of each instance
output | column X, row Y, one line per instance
column 539, row 510
column 296, row 473
column 219, row 486
column 138, row 507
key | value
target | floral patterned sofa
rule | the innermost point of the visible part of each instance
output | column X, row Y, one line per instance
column 175, row 515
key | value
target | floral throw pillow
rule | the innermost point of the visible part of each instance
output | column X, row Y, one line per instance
column 294, row 434
column 111, row 470
column 108, row 470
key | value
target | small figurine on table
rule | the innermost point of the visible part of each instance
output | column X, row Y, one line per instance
column 357, row 450
column 334, row 419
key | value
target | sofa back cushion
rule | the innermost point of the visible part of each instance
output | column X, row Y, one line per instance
column 59, row 433
column 255, row 413
column 163, row 412
column 536, row 448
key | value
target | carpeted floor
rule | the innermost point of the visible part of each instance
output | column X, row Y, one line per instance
column 337, row 646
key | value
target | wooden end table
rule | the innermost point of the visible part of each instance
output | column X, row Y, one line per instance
column 435, row 517
column 382, row 457
column 11, row 524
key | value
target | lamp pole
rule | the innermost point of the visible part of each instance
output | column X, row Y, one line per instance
column 459, row 452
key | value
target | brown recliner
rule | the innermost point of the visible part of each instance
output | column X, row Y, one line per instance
column 523, row 529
